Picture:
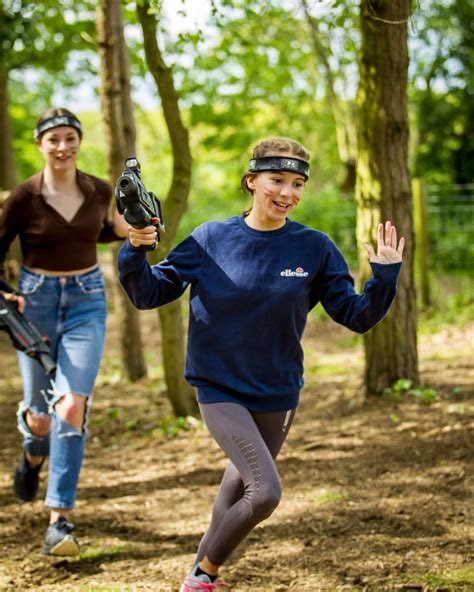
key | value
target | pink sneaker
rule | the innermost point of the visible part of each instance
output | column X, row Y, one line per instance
column 202, row 583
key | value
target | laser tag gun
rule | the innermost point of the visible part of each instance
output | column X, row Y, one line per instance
column 23, row 334
column 137, row 205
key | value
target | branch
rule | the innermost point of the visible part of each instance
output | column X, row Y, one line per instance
column 182, row 160
column 387, row 22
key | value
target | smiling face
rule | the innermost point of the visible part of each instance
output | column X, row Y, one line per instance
column 275, row 195
column 60, row 148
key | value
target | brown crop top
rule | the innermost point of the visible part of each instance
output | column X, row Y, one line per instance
column 47, row 240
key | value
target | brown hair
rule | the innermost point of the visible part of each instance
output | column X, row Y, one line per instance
column 57, row 112
column 275, row 145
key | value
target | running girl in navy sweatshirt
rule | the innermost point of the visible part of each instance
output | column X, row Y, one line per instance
column 253, row 281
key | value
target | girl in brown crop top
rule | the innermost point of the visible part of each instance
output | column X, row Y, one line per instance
column 59, row 215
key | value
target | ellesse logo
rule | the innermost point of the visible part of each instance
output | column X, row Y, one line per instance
column 298, row 272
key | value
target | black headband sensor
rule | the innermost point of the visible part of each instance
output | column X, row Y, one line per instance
column 279, row 163
column 58, row 121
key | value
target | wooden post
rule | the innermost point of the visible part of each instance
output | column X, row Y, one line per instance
column 421, row 240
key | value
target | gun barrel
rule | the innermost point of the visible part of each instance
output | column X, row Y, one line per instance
column 25, row 336
column 134, row 202
column 126, row 185
column 48, row 364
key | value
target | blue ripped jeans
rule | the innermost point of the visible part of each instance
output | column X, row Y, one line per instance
column 71, row 311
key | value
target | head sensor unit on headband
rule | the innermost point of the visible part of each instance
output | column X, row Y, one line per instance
column 279, row 163
column 58, row 121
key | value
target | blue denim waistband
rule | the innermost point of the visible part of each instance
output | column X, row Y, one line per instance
column 63, row 279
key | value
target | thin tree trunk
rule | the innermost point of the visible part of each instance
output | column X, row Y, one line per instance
column 8, row 170
column 120, row 143
column 383, row 189
column 180, row 393
column 7, row 160
column 344, row 114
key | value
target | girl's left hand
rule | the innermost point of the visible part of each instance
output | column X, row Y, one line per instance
column 18, row 300
column 387, row 249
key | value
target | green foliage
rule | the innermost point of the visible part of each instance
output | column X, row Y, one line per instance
column 103, row 588
column 45, row 48
column 457, row 408
column 442, row 81
column 333, row 213
column 454, row 580
column 454, row 305
column 426, row 395
column 42, row 34
column 253, row 77
column 92, row 155
column 113, row 413
column 100, row 554
column 171, row 426
column 327, row 497
column 447, row 151
column 28, row 160
column 404, row 387
column 253, row 72
column 451, row 226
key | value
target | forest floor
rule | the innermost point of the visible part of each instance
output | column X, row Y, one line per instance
column 376, row 493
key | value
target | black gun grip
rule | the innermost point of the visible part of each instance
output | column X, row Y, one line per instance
column 145, row 248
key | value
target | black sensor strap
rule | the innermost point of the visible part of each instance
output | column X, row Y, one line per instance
column 57, row 121
column 279, row 163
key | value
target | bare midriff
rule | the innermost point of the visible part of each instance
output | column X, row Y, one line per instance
column 61, row 273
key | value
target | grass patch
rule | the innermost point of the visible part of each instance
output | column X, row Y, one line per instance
column 349, row 342
column 326, row 370
column 170, row 426
column 404, row 387
column 99, row 554
column 327, row 497
column 450, row 356
column 331, row 370
column 451, row 310
column 455, row 577
column 452, row 579
column 106, row 589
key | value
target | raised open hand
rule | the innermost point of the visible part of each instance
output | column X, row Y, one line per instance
column 387, row 249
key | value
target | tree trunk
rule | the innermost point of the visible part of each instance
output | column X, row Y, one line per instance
column 180, row 393
column 343, row 112
column 8, row 171
column 120, row 143
column 7, row 161
column 383, row 189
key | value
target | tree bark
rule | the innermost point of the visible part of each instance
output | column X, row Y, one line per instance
column 343, row 112
column 120, row 135
column 180, row 393
column 383, row 188
column 7, row 160
column 8, row 171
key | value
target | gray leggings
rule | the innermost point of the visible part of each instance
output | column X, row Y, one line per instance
column 250, row 489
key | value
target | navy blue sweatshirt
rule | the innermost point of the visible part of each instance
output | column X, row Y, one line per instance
column 251, row 292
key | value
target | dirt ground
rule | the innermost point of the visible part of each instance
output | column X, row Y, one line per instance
column 376, row 494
